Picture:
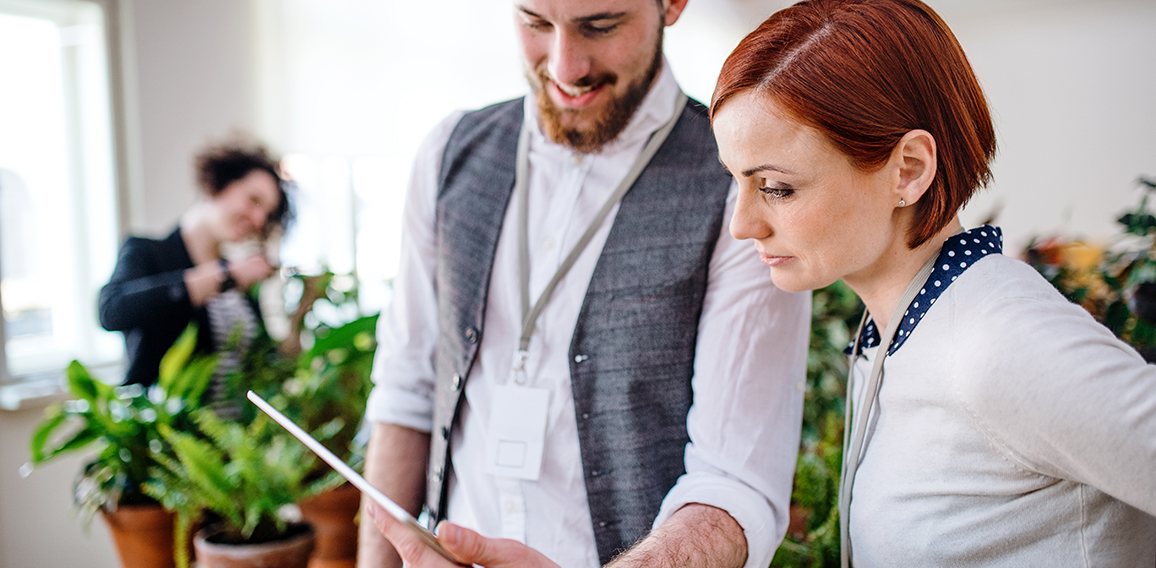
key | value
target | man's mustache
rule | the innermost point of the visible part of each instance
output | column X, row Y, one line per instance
column 593, row 80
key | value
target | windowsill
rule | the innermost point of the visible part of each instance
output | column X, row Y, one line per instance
column 43, row 389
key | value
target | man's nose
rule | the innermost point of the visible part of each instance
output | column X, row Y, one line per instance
column 569, row 60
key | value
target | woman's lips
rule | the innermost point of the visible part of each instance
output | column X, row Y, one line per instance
column 579, row 101
column 774, row 261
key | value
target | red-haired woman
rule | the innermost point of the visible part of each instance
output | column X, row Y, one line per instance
column 992, row 422
column 160, row 286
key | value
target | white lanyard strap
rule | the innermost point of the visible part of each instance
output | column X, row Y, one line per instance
column 851, row 453
column 521, row 190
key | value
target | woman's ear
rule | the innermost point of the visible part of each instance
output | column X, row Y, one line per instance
column 916, row 158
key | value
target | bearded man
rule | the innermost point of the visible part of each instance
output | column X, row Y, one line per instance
column 578, row 356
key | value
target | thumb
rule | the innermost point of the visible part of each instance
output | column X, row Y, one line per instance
column 470, row 547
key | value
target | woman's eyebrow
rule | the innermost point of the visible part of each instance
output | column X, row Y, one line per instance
column 766, row 168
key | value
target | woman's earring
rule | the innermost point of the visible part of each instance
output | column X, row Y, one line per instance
column 902, row 203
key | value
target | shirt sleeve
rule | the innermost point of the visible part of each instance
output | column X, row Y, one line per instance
column 137, row 296
column 749, row 380
column 403, row 367
column 1061, row 395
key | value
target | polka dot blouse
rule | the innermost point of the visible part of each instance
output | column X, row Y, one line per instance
column 958, row 253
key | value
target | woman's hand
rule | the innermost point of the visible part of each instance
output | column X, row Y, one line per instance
column 251, row 270
column 469, row 547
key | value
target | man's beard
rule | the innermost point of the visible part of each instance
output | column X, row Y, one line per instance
column 611, row 120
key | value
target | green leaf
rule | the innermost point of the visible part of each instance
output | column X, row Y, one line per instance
column 79, row 440
column 345, row 336
column 176, row 357
column 193, row 379
column 81, row 383
column 54, row 418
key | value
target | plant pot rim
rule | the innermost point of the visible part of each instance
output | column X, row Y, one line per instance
column 201, row 540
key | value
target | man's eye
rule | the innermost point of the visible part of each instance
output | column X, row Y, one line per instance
column 536, row 25
column 592, row 29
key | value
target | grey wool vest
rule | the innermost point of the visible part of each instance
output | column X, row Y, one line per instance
column 632, row 353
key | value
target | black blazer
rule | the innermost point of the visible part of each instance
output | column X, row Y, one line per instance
column 146, row 299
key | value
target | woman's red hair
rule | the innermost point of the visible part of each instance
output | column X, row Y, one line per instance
column 866, row 72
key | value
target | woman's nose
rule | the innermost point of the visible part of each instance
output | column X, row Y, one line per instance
column 747, row 222
column 257, row 217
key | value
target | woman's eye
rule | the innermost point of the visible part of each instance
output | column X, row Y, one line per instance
column 778, row 192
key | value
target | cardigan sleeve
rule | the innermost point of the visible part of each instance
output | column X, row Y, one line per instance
column 138, row 294
column 1061, row 395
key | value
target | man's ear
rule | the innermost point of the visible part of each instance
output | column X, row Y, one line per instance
column 915, row 156
column 672, row 9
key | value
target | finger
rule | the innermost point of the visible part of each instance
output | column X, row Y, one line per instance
column 470, row 547
column 412, row 550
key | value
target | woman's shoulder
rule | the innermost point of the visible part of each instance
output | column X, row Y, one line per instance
column 160, row 245
column 1004, row 308
column 998, row 278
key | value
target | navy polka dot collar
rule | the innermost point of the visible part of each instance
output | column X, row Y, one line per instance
column 958, row 254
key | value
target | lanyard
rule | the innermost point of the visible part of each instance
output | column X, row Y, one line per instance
column 851, row 453
column 521, row 189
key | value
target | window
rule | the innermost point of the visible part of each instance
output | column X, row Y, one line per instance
column 58, row 204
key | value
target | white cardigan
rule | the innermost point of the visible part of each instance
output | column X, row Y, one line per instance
column 1011, row 429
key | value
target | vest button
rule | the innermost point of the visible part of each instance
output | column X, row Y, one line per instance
column 457, row 382
column 445, row 433
column 580, row 358
column 471, row 334
column 602, row 524
column 586, row 416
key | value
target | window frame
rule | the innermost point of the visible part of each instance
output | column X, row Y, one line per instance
column 27, row 389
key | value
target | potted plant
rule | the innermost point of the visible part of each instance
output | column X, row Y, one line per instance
column 330, row 386
column 241, row 477
column 123, row 424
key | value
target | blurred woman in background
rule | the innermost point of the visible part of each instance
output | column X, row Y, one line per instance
column 160, row 286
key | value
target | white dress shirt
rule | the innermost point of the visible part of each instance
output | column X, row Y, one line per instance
column 748, row 373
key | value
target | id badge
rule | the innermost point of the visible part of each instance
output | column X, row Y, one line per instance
column 517, row 432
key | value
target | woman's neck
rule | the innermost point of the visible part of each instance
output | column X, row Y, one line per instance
column 197, row 233
column 882, row 290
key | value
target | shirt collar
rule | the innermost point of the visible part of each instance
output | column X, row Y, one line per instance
column 655, row 110
column 959, row 252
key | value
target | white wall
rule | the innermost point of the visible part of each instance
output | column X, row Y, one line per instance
column 37, row 526
column 1071, row 84
column 1073, row 92
column 192, row 67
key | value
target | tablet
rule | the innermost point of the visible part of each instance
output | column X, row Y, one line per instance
column 347, row 472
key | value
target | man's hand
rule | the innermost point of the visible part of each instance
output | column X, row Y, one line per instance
column 469, row 547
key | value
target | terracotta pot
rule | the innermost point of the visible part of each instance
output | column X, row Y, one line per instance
column 292, row 552
column 332, row 515
column 143, row 535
